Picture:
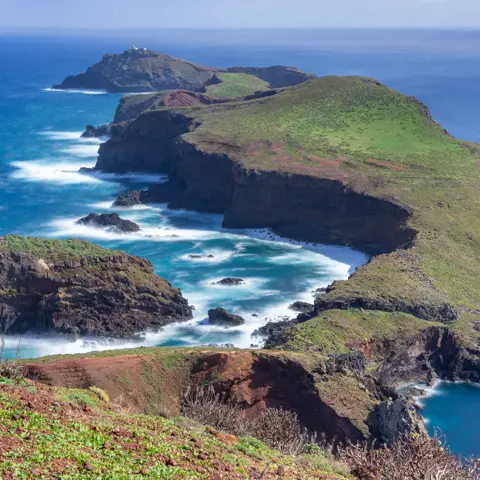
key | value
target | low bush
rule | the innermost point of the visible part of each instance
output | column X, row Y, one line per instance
column 411, row 457
column 277, row 428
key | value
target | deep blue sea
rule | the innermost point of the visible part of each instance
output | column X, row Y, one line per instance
column 42, row 194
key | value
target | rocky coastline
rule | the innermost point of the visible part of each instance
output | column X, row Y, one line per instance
column 77, row 289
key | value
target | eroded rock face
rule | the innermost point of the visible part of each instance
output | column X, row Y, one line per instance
column 393, row 418
column 109, row 295
column 111, row 222
column 433, row 353
column 220, row 316
column 441, row 312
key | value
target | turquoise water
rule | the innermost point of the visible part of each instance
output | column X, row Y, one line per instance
column 454, row 409
column 41, row 192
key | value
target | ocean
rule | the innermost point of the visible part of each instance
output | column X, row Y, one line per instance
column 42, row 193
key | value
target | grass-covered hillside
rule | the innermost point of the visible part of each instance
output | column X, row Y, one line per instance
column 54, row 250
column 234, row 85
column 50, row 433
column 382, row 143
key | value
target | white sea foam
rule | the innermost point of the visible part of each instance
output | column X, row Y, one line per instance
column 73, row 90
column 44, row 171
column 101, row 205
column 131, row 177
column 84, row 151
column 339, row 254
column 67, row 227
column 70, row 136
column 219, row 256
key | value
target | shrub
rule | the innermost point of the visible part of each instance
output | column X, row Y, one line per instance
column 101, row 394
column 12, row 369
column 277, row 428
column 411, row 457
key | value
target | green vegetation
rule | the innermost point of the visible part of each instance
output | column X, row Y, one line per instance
column 57, row 433
column 235, row 85
column 382, row 143
column 54, row 250
column 334, row 330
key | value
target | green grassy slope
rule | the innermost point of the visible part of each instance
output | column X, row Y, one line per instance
column 52, row 249
column 71, row 434
column 236, row 85
column 385, row 144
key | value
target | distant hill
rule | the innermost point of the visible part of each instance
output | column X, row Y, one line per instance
column 142, row 70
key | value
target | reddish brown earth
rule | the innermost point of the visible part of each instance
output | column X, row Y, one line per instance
column 155, row 383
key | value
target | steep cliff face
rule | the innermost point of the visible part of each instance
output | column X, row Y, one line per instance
column 95, row 292
column 434, row 353
column 144, row 145
column 341, row 405
column 297, row 206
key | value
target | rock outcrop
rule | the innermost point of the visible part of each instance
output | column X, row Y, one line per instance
column 139, row 70
column 436, row 352
column 303, row 307
column 230, row 281
column 129, row 199
column 110, row 222
column 220, row 316
column 76, row 288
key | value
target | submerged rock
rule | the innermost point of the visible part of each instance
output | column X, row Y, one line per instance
column 220, row 316
column 230, row 281
column 110, row 221
column 199, row 256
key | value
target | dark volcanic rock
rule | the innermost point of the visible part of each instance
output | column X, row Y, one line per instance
column 393, row 418
column 277, row 76
column 441, row 312
column 140, row 70
column 129, row 199
column 353, row 362
column 94, row 132
column 230, row 281
column 303, row 307
column 220, row 316
column 109, row 221
column 102, row 293
column 434, row 352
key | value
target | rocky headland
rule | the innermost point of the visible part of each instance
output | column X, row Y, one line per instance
column 143, row 70
column 234, row 158
column 78, row 289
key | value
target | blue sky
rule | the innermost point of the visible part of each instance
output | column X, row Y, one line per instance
column 95, row 14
